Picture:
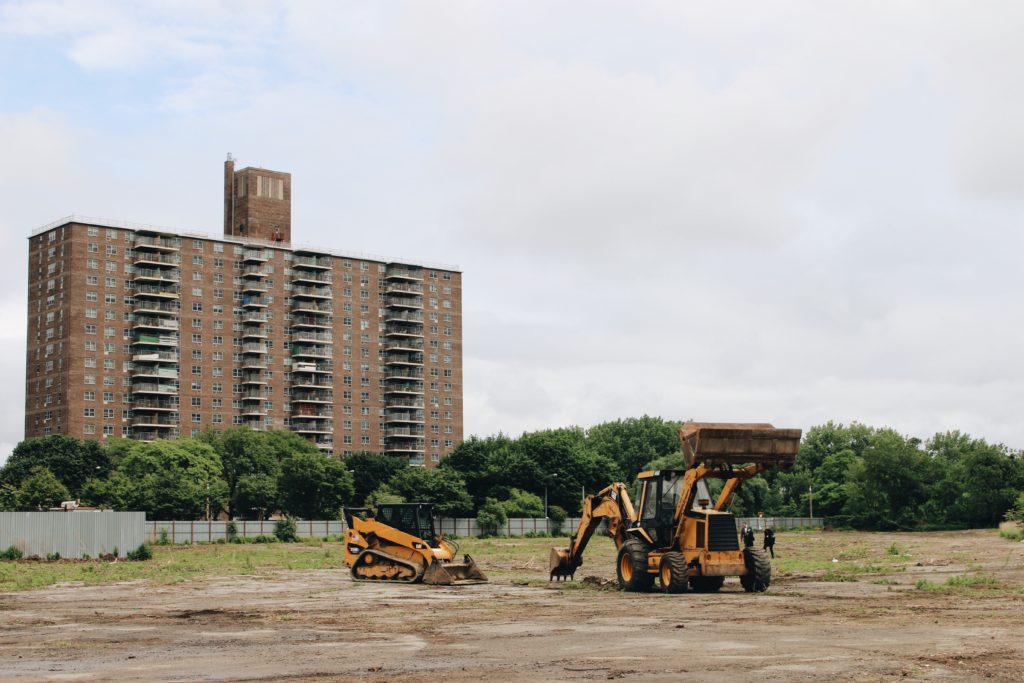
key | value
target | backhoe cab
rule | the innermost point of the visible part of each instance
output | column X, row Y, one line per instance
column 677, row 534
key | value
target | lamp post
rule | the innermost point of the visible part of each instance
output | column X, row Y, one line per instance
column 810, row 494
column 547, row 521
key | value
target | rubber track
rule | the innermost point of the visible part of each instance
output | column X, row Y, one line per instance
column 385, row 558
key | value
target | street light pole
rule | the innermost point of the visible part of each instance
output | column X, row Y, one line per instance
column 810, row 492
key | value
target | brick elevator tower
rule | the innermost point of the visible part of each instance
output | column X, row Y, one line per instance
column 257, row 203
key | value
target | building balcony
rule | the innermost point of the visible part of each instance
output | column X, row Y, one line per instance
column 154, row 322
column 142, row 339
column 403, row 302
column 403, row 330
column 311, row 262
column 322, row 293
column 254, row 256
column 253, row 347
column 140, row 405
column 157, row 259
column 410, row 446
column 155, row 357
column 322, row 397
column 311, row 307
column 155, row 420
column 254, row 317
column 392, row 316
column 254, row 271
column 399, row 287
column 144, row 291
column 403, row 388
column 156, row 243
column 403, row 344
column 254, row 301
column 152, row 434
column 255, row 287
column 252, row 378
column 155, row 275
column 253, row 332
column 403, row 417
column 250, row 395
column 404, row 273
column 311, row 382
column 314, row 321
column 155, row 307
column 411, row 358
column 404, row 432
column 252, row 410
column 315, row 337
column 154, row 372
column 403, row 372
column 154, row 388
column 311, row 411
column 309, row 367
column 311, row 352
column 402, row 402
column 312, row 427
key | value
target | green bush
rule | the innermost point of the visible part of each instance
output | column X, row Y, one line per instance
column 232, row 530
column 285, row 531
column 164, row 538
column 265, row 539
column 52, row 557
column 11, row 553
column 491, row 516
column 141, row 553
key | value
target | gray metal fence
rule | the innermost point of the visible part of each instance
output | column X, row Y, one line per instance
column 209, row 532
column 73, row 534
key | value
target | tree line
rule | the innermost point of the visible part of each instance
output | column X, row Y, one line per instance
column 858, row 476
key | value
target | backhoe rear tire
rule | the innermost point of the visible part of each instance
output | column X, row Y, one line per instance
column 759, row 571
column 673, row 572
column 631, row 566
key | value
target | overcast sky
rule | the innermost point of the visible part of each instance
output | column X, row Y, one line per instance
column 764, row 211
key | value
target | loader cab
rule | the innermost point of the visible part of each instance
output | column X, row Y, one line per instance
column 659, row 496
column 415, row 519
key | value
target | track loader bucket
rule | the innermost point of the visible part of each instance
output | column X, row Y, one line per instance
column 718, row 443
column 454, row 573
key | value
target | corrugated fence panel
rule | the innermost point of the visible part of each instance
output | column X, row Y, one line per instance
column 208, row 532
column 73, row 534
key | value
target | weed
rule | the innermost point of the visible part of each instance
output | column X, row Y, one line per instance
column 834, row 576
column 164, row 538
column 11, row 553
column 894, row 550
column 1014, row 534
column 141, row 553
column 886, row 582
column 52, row 557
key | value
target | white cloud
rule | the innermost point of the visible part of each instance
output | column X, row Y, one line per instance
column 789, row 212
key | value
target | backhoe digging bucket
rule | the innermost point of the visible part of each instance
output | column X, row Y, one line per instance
column 718, row 443
column 559, row 565
column 454, row 573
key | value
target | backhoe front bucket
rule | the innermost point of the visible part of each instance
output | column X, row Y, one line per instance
column 454, row 573
column 718, row 443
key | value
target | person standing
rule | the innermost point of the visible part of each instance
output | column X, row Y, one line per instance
column 747, row 534
column 769, row 541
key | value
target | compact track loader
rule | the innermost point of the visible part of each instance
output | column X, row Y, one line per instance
column 675, row 534
column 397, row 543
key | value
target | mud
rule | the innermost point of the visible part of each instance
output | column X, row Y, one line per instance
column 319, row 625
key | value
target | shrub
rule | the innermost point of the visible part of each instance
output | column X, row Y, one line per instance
column 491, row 516
column 264, row 539
column 232, row 530
column 893, row 550
column 164, row 538
column 285, row 531
column 141, row 553
column 11, row 553
column 52, row 557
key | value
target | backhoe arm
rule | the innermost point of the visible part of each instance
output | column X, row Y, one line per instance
column 611, row 504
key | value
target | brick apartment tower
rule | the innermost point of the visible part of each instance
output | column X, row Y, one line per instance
column 147, row 333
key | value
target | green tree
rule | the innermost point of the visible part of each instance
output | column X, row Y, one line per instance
column 314, row 486
column 244, row 453
column 176, row 479
column 41, row 490
column 523, row 504
column 71, row 461
column 888, row 484
column 256, row 495
column 633, row 442
column 371, row 470
column 9, row 501
column 444, row 488
column 491, row 516
column 382, row 494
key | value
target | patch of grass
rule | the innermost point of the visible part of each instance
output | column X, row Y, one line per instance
column 885, row 582
column 893, row 550
column 953, row 583
column 837, row 577
column 1012, row 534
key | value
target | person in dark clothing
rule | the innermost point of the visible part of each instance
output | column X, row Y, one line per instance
column 747, row 534
column 769, row 541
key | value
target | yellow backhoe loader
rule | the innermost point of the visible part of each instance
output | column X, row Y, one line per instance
column 677, row 534
column 397, row 543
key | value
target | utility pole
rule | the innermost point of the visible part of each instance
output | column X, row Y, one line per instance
column 810, row 493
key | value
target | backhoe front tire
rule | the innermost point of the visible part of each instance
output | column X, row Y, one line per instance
column 673, row 572
column 631, row 566
column 759, row 571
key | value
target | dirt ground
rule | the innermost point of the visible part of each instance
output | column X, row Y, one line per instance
column 319, row 625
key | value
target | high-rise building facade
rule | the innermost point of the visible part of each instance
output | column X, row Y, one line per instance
column 147, row 333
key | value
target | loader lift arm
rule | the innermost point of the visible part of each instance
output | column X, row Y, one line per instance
column 612, row 505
